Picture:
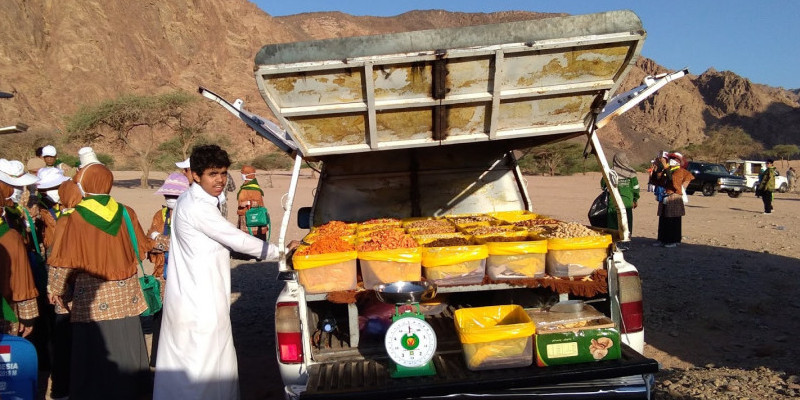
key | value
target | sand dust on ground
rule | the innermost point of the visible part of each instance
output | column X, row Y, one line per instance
column 720, row 309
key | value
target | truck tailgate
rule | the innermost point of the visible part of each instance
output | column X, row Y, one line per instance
column 370, row 379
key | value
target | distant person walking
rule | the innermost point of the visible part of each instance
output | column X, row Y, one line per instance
column 766, row 186
column 791, row 177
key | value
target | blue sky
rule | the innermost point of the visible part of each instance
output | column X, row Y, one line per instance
column 757, row 39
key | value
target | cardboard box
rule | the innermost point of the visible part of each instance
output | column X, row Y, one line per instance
column 584, row 338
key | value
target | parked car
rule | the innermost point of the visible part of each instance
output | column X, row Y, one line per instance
column 749, row 170
column 710, row 178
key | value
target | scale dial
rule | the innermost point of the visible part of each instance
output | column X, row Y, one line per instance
column 410, row 342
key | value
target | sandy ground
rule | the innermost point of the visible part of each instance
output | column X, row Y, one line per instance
column 721, row 307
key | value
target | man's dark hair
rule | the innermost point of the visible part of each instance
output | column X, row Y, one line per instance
column 770, row 161
column 208, row 156
column 39, row 151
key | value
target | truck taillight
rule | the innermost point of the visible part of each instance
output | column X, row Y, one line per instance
column 287, row 327
column 630, row 299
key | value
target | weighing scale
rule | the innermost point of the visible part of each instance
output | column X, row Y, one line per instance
column 410, row 341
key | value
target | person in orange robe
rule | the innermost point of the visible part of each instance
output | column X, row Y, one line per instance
column 95, row 251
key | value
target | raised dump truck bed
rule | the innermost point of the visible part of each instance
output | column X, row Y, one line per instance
column 438, row 87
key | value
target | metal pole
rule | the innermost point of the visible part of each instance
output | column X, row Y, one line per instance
column 622, row 216
column 287, row 212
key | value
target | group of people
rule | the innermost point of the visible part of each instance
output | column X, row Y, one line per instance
column 70, row 254
column 668, row 178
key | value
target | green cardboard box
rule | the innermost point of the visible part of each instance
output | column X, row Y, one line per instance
column 598, row 340
column 574, row 337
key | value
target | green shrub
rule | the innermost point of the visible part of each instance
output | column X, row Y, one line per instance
column 272, row 161
column 563, row 158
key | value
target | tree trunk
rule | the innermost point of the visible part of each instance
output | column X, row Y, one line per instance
column 145, row 175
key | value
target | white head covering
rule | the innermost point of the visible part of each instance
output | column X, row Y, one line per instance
column 87, row 156
column 50, row 177
column 183, row 164
column 13, row 173
column 48, row 150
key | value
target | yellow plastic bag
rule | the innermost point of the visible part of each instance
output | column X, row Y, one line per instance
column 493, row 323
column 514, row 248
column 321, row 260
column 510, row 235
column 442, row 256
column 511, row 217
column 580, row 243
column 404, row 255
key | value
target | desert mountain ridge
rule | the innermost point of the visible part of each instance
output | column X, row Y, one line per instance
column 58, row 56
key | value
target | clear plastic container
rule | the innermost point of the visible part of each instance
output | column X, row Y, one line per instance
column 461, row 273
column 516, row 260
column 376, row 272
column 576, row 256
column 495, row 337
column 329, row 278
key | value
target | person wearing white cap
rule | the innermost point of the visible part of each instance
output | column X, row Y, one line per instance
column 230, row 186
column 49, row 155
column 50, row 178
column 20, row 291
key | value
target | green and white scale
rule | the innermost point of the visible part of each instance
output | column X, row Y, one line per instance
column 410, row 343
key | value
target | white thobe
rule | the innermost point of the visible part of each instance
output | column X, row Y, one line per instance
column 196, row 358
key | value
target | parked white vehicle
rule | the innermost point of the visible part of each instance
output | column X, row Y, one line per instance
column 750, row 169
column 424, row 124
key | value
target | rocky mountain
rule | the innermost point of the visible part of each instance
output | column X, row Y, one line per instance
column 57, row 56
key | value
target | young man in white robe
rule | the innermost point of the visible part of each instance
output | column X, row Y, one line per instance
column 196, row 357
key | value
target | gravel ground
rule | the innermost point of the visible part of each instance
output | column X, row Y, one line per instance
column 720, row 310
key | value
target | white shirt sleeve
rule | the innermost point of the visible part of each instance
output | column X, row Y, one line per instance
column 210, row 222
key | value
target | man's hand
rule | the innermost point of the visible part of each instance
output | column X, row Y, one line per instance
column 635, row 204
column 293, row 245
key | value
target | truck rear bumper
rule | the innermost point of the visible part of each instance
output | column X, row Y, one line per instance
column 369, row 379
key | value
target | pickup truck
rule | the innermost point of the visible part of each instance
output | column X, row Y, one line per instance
column 710, row 178
column 749, row 170
column 424, row 124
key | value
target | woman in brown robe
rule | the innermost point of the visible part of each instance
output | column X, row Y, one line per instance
column 16, row 279
column 94, row 250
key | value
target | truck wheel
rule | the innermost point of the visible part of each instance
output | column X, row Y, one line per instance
column 734, row 194
column 784, row 188
column 708, row 189
column 689, row 192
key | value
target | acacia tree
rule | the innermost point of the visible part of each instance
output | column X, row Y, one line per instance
column 784, row 152
column 136, row 124
column 727, row 142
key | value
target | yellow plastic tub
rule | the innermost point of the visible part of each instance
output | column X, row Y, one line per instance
column 495, row 337
column 576, row 256
column 387, row 266
column 323, row 273
column 454, row 265
column 516, row 260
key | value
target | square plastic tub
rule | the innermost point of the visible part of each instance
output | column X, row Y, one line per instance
column 516, row 260
column 576, row 256
column 323, row 273
column 495, row 337
column 376, row 272
column 461, row 273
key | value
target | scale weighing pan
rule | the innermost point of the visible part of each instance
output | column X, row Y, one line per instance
column 404, row 292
